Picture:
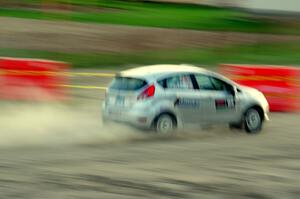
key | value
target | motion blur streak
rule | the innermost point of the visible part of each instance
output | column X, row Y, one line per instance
column 84, row 87
column 49, row 73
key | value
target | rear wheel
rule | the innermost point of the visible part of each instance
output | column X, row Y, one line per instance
column 253, row 121
column 165, row 124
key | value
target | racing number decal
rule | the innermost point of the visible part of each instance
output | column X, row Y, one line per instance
column 228, row 103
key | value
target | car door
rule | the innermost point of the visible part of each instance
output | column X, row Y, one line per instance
column 205, row 89
column 189, row 104
column 222, row 98
column 226, row 101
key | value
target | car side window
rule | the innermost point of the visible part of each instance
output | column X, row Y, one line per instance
column 177, row 82
column 220, row 85
column 204, row 82
column 211, row 83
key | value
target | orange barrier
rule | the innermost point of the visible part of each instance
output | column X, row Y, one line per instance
column 280, row 84
column 32, row 79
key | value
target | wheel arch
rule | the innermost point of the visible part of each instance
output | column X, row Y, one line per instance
column 258, row 108
column 168, row 112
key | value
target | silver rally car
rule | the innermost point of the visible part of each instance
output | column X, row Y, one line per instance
column 166, row 97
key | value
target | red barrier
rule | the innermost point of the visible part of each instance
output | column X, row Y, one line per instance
column 32, row 79
column 280, row 84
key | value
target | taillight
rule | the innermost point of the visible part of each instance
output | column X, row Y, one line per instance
column 147, row 93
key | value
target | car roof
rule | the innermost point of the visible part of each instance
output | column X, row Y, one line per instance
column 156, row 71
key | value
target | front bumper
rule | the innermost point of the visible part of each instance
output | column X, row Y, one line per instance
column 266, row 112
column 266, row 117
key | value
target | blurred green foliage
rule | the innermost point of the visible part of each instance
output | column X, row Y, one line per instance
column 276, row 53
column 166, row 15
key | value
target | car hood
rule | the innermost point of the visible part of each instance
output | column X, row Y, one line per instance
column 250, row 90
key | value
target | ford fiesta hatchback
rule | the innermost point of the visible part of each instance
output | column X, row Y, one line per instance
column 166, row 97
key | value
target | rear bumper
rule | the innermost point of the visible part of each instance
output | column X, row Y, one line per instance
column 138, row 118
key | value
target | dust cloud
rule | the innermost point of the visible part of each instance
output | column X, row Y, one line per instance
column 29, row 124
column 53, row 124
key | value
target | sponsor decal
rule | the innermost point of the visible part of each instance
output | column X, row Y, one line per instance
column 187, row 102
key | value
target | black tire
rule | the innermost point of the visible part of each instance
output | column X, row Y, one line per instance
column 165, row 124
column 253, row 121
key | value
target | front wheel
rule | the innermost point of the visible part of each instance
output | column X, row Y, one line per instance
column 253, row 121
column 165, row 124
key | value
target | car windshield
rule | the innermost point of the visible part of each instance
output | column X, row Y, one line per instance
column 127, row 83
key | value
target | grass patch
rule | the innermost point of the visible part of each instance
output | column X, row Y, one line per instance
column 277, row 53
column 156, row 15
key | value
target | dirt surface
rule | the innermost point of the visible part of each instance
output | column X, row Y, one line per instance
column 77, row 37
column 55, row 151
column 63, row 151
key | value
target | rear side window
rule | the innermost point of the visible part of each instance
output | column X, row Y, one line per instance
column 177, row 82
column 127, row 84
